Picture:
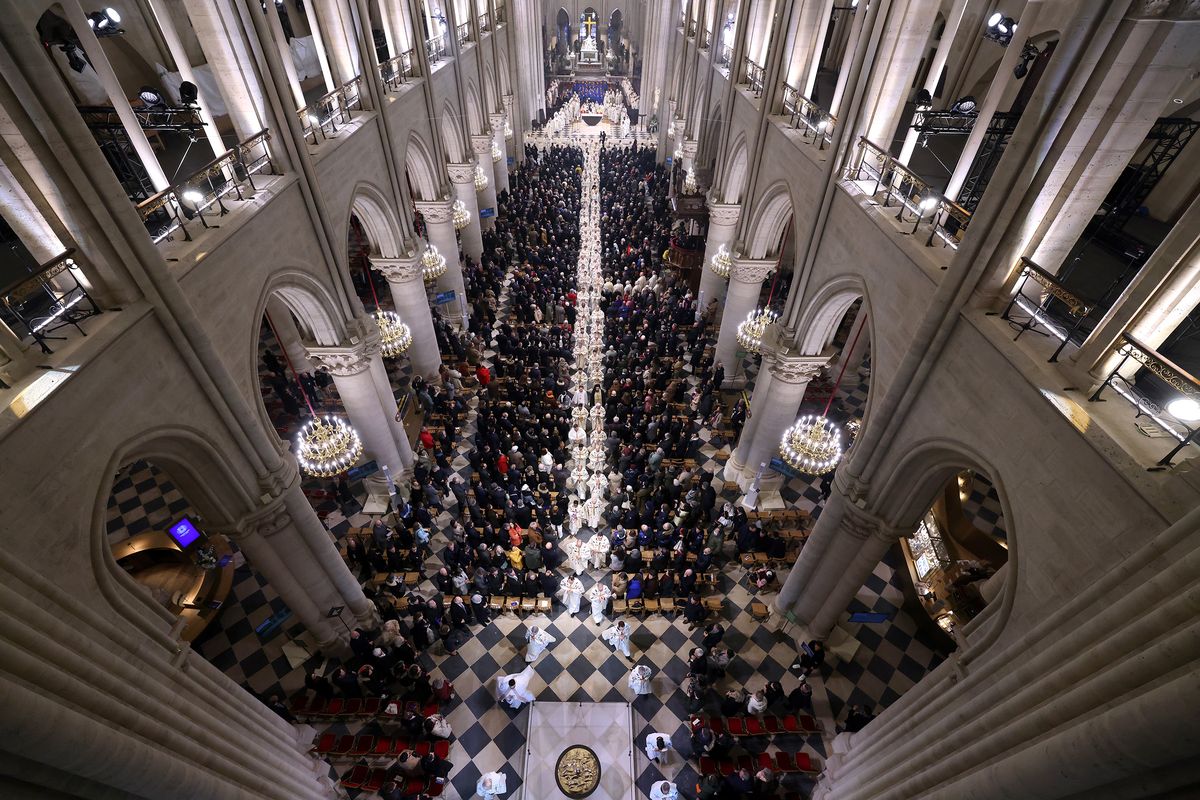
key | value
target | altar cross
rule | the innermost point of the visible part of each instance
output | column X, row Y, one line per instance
column 589, row 22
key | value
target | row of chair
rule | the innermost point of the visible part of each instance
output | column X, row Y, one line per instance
column 375, row 748
column 780, row 762
column 337, row 708
column 759, row 726
column 370, row 780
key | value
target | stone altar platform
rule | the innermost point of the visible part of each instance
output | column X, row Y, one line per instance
column 607, row 728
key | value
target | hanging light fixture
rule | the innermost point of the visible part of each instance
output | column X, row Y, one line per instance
column 496, row 154
column 327, row 447
column 433, row 264
column 721, row 263
column 750, row 332
column 508, row 131
column 394, row 335
column 324, row 446
column 689, row 182
column 481, row 180
column 814, row 444
column 460, row 216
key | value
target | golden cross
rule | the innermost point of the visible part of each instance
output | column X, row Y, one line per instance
column 589, row 22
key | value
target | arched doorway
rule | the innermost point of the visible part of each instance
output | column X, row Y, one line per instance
column 562, row 31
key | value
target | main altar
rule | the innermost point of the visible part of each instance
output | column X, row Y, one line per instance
column 579, row 751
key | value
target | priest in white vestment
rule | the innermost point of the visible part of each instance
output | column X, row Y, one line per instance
column 664, row 790
column 598, row 547
column 572, row 593
column 491, row 785
column 618, row 637
column 576, row 560
column 513, row 690
column 598, row 595
column 639, row 680
column 538, row 641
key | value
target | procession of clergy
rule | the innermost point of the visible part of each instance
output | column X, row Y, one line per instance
column 626, row 317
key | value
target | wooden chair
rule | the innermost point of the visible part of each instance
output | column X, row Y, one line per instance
column 400, row 604
column 412, row 578
column 636, row 605
column 652, row 606
column 528, row 605
column 543, row 605
column 513, row 604
column 620, row 607
column 496, row 603
column 712, row 605
column 667, row 605
column 759, row 610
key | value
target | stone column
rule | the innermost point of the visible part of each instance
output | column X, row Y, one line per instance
column 481, row 146
column 351, row 367
column 232, row 66
column 284, row 326
column 462, row 178
column 500, row 168
column 722, row 225
column 894, row 67
column 852, row 44
column 745, row 284
column 991, row 102
column 845, row 546
column 773, row 408
column 439, row 231
column 852, row 352
column 408, row 296
column 936, row 66
column 690, row 146
column 333, row 17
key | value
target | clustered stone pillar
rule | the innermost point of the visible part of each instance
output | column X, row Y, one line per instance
column 481, row 146
column 773, row 408
column 846, row 545
column 500, row 168
column 689, row 150
column 722, row 225
column 356, row 368
column 407, row 285
column 745, row 284
column 439, row 230
column 462, row 178
column 284, row 326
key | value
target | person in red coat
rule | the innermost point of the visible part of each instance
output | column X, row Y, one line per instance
column 484, row 375
column 502, row 464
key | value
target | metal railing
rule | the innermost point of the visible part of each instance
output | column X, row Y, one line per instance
column 323, row 117
column 1176, row 379
column 485, row 22
column 464, row 32
column 1041, row 308
column 802, row 111
column 948, row 221
column 435, row 49
column 754, row 77
column 49, row 299
column 726, row 56
column 170, row 210
column 396, row 71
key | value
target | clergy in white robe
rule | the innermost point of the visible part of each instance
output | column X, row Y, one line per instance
column 618, row 637
column 657, row 745
column 639, row 680
column 598, row 547
column 664, row 790
column 572, row 593
column 575, row 559
column 598, row 595
column 538, row 641
column 514, row 689
column 491, row 785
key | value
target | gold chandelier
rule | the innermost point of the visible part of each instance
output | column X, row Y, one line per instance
column 750, row 332
column 813, row 445
column 395, row 336
column 433, row 263
column 327, row 447
column 460, row 216
column 508, row 131
column 481, row 180
column 496, row 154
column 722, row 262
column 689, row 182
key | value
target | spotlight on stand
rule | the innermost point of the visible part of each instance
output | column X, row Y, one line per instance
column 106, row 22
column 923, row 99
column 188, row 93
column 1184, row 409
column 151, row 97
column 1000, row 29
column 964, row 105
column 1029, row 54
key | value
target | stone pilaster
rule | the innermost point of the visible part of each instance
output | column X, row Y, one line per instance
column 407, row 285
column 722, row 225
column 745, row 284
column 481, row 146
column 462, row 178
column 439, row 231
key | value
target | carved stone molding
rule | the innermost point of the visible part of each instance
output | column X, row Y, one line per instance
column 398, row 270
column 498, row 119
column 508, row 101
column 435, row 211
column 796, row 369
column 349, row 359
column 724, row 214
column 482, row 145
column 265, row 521
column 690, row 146
column 863, row 525
column 461, row 174
column 751, row 270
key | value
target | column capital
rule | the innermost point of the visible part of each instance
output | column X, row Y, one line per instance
column 752, row 270
column 508, row 101
column 398, row 270
column 266, row 520
column 724, row 213
column 862, row 524
column 435, row 210
column 351, row 358
column 497, row 119
column 481, row 145
column 689, row 148
column 796, row 369
column 461, row 174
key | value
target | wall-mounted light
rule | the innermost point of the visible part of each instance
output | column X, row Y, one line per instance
column 964, row 105
column 106, row 22
column 1000, row 29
